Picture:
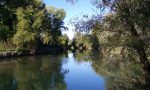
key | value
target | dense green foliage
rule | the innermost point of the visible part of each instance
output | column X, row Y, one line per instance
column 29, row 24
column 86, row 41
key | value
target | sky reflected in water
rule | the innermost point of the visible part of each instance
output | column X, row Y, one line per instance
column 81, row 76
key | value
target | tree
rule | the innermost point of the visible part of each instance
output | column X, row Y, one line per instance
column 36, row 23
column 133, row 14
column 87, row 41
column 28, row 26
column 4, row 32
column 55, row 23
column 64, row 40
column 8, row 12
column 134, row 18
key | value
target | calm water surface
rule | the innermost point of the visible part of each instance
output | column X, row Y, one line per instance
column 81, row 75
column 80, row 71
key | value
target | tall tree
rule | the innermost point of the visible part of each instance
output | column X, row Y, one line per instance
column 133, row 14
column 134, row 17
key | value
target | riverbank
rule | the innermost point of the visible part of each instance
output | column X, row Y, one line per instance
column 43, row 51
column 40, row 51
column 8, row 54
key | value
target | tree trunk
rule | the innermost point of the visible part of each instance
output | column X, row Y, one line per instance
column 141, row 51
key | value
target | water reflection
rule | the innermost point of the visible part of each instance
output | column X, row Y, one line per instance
column 81, row 75
column 34, row 73
column 119, row 73
column 78, row 71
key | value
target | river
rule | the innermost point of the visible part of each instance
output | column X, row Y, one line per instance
column 72, row 71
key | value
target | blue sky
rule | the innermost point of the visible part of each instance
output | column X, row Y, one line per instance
column 77, row 10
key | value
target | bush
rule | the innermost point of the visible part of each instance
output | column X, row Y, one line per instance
column 6, row 46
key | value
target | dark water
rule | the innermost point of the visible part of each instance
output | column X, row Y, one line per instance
column 80, row 71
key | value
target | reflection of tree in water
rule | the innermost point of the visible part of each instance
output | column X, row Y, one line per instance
column 119, row 74
column 6, row 77
column 36, row 74
column 86, row 55
column 42, row 76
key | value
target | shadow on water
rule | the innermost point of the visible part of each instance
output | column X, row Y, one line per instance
column 86, row 70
